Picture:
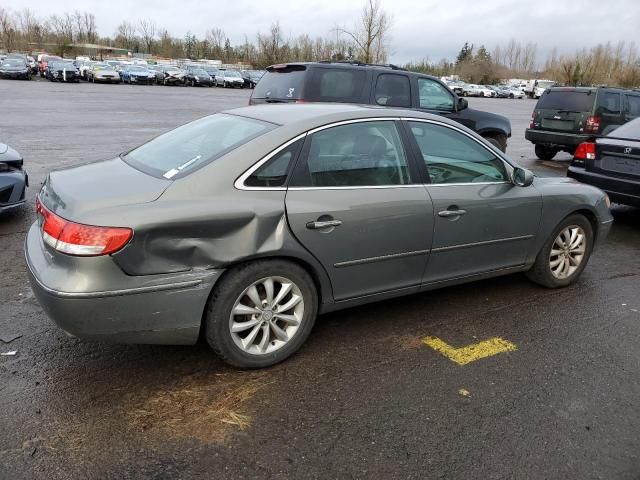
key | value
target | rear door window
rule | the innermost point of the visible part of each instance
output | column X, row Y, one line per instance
column 281, row 83
column 393, row 90
column 357, row 154
column 610, row 103
column 632, row 107
column 335, row 85
column 569, row 100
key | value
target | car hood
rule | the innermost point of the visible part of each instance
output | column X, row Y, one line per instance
column 78, row 192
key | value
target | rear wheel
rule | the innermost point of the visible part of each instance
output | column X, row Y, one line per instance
column 565, row 254
column 545, row 153
column 261, row 313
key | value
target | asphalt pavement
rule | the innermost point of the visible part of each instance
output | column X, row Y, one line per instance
column 551, row 389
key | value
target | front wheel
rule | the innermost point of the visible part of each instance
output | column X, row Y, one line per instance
column 261, row 313
column 565, row 254
column 498, row 141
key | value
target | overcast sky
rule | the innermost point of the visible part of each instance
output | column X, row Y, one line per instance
column 432, row 29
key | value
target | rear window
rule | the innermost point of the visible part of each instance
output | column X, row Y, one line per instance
column 335, row 85
column 281, row 83
column 574, row 101
column 187, row 148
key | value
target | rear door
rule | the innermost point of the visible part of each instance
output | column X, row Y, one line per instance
column 482, row 222
column 355, row 204
column 564, row 110
column 631, row 106
column 609, row 110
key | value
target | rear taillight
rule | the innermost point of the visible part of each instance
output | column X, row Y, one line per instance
column 534, row 117
column 79, row 239
column 592, row 124
column 585, row 151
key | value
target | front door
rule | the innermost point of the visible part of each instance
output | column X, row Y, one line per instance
column 483, row 222
column 354, row 205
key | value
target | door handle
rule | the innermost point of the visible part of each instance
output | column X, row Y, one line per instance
column 451, row 213
column 319, row 225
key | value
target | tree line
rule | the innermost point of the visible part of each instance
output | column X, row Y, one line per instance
column 603, row 64
column 367, row 40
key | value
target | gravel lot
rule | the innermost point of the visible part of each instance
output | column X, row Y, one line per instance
column 365, row 398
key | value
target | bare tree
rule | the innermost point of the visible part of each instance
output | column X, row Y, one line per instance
column 216, row 38
column 147, row 29
column 126, row 35
column 8, row 31
column 371, row 35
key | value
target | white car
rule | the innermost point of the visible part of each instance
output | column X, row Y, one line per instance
column 515, row 92
column 229, row 78
column 473, row 90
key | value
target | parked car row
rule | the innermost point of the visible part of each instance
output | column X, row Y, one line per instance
column 489, row 91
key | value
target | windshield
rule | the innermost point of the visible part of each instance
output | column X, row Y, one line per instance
column 569, row 100
column 199, row 71
column 137, row 69
column 546, row 84
column 171, row 69
column 232, row 74
column 195, row 144
column 13, row 62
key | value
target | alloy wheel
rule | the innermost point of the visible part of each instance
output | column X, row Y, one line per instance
column 266, row 315
column 567, row 252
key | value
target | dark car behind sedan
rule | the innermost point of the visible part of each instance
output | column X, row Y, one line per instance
column 13, row 178
column 612, row 163
column 65, row 72
column 15, row 68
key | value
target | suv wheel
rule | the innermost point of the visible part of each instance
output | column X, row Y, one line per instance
column 545, row 153
column 261, row 313
column 565, row 254
column 499, row 141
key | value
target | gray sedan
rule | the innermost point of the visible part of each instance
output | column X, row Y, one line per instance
column 245, row 225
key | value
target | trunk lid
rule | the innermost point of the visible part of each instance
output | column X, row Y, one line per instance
column 75, row 193
column 617, row 157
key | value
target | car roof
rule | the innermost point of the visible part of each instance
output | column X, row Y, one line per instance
column 310, row 115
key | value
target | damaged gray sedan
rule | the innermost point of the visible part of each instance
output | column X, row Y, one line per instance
column 245, row 225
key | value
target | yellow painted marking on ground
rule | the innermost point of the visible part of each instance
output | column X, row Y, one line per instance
column 470, row 353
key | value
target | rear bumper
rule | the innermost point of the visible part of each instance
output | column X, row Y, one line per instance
column 625, row 191
column 91, row 298
column 555, row 139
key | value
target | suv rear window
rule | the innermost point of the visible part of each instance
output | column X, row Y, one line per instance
column 571, row 100
column 335, row 85
column 283, row 83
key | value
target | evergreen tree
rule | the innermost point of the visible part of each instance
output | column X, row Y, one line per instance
column 466, row 53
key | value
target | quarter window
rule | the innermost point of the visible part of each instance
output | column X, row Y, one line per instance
column 611, row 103
column 434, row 95
column 393, row 90
column 336, row 85
column 357, row 154
column 453, row 157
column 274, row 172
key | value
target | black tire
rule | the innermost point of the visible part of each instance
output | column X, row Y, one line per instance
column 540, row 272
column 545, row 153
column 498, row 141
column 227, row 291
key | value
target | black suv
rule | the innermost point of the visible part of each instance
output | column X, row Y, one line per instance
column 385, row 85
column 564, row 117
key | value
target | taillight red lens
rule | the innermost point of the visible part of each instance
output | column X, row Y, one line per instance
column 534, row 117
column 585, row 151
column 79, row 239
column 592, row 124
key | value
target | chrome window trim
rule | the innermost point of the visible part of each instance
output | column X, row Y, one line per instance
column 360, row 187
column 465, row 184
column 496, row 152
column 239, row 183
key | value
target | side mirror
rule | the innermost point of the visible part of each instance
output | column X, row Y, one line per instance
column 522, row 177
column 462, row 104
